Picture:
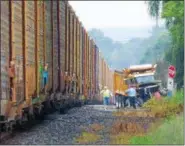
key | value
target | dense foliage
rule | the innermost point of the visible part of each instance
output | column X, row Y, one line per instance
column 173, row 13
column 155, row 51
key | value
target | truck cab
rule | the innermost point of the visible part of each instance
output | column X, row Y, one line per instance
column 142, row 78
column 139, row 76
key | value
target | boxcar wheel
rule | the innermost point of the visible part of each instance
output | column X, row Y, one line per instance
column 56, row 105
column 23, row 122
column 62, row 109
column 52, row 106
column 79, row 104
column 75, row 103
column 38, row 114
column 68, row 106
column 47, row 107
column 72, row 103
column 31, row 119
column 41, row 113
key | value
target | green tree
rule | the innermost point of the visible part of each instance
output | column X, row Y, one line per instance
column 154, row 10
column 173, row 13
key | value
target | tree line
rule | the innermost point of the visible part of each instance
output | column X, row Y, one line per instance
column 173, row 13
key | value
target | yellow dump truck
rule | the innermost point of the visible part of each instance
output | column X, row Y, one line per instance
column 139, row 76
column 119, row 83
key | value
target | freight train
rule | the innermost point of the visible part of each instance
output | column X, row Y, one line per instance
column 47, row 60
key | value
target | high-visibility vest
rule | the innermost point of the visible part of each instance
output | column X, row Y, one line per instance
column 82, row 97
column 106, row 93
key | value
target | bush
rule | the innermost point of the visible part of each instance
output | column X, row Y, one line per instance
column 166, row 106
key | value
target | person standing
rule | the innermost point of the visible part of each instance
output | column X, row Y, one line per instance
column 118, row 100
column 131, row 92
column 106, row 95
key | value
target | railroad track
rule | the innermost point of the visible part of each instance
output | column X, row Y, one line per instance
column 8, row 135
column 62, row 129
column 4, row 136
column 30, row 124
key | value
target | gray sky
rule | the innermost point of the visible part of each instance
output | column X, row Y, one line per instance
column 106, row 14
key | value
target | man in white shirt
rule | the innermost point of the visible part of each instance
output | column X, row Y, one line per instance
column 131, row 92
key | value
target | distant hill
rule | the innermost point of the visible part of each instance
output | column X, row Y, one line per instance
column 141, row 49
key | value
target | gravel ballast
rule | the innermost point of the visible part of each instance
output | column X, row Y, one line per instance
column 63, row 129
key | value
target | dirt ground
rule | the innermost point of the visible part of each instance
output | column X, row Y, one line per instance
column 124, row 124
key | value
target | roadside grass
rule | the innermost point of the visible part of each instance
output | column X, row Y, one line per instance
column 90, row 134
column 170, row 132
column 178, row 98
column 134, row 113
column 122, row 138
column 121, row 131
column 167, row 130
column 87, row 137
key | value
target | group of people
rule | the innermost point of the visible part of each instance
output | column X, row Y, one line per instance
column 129, row 100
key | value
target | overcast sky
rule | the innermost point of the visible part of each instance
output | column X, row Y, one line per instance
column 106, row 14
